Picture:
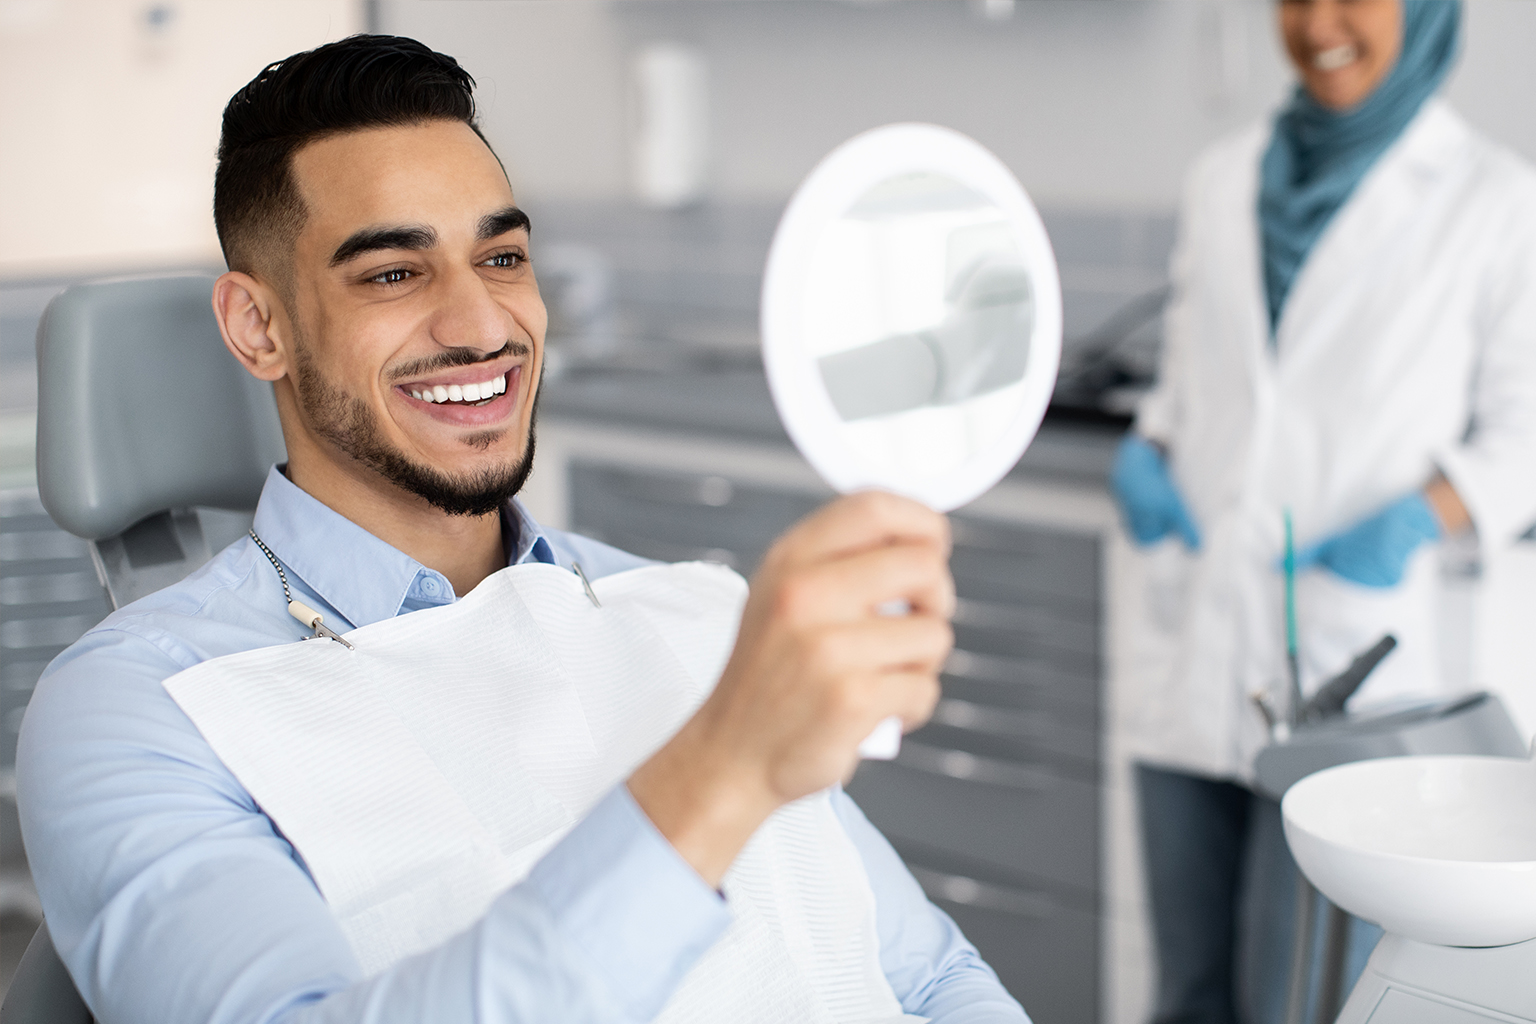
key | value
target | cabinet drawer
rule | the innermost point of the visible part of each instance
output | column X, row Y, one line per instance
column 1008, row 563
column 1024, row 682
column 1012, row 733
column 1031, row 646
column 1062, row 721
column 49, row 596
column 1005, row 627
column 686, row 513
column 1023, row 819
column 1011, row 577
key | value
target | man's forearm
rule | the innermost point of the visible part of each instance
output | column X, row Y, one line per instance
column 603, row 930
column 703, row 808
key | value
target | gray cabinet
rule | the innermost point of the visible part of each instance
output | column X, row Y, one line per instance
column 675, row 517
column 49, row 596
column 995, row 804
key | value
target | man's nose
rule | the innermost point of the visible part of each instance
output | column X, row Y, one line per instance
column 468, row 317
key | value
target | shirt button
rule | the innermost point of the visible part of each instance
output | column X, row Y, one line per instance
column 429, row 586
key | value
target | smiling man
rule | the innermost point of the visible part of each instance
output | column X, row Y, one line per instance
column 381, row 277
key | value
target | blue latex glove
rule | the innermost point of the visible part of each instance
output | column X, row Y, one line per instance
column 1148, row 499
column 1374, row 552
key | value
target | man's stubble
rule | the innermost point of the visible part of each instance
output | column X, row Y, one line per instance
column 351, row 425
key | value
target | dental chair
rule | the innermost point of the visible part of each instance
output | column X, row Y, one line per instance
column 152, row 444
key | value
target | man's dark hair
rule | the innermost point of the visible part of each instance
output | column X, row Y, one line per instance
column 363, row 81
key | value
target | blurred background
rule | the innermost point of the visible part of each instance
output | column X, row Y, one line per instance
column 654, row 144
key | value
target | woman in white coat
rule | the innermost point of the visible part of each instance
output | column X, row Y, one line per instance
column 1351, row 339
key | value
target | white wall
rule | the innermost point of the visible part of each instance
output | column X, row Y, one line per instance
column 109, row 118
column 1095, row 105
column 107, row 125
column 1496, row 79
column 551, row 85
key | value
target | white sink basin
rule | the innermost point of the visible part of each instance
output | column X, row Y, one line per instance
column 1438, row 849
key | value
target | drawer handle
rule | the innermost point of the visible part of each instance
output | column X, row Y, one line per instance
column 960, row 764
column 1030, row 619
column 968, row 892
column 1000, row 538
column 992, row 721
column 991, row 667
column 1034, row 546
column 991, row 614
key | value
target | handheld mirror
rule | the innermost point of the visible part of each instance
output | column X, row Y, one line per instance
column 911, row 321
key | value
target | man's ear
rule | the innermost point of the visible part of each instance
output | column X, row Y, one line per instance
column 245, row 309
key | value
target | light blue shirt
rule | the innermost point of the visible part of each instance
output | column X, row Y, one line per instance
column 171, row 897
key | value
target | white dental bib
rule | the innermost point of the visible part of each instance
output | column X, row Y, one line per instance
column 425, row 772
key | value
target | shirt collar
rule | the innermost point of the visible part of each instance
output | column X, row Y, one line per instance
column 529, row 543
column 356, row 573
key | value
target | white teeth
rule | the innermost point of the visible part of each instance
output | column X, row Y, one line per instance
column 1335, row 57
column 462, row 392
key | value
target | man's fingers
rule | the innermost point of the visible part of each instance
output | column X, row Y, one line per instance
column 854, row 586
column 858, row 521
column 899, row 643
column 912, row 695
column 908, row 690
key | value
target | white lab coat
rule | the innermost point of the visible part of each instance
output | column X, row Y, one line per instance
column 1407, row 344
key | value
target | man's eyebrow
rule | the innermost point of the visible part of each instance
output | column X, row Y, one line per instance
column 412, row 239
column 502, row 221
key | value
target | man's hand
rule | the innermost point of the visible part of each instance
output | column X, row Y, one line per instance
column 815, row 667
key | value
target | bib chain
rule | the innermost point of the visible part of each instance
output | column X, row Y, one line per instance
column 298, row 609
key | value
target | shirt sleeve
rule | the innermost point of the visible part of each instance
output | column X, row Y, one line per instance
column 1491, row 468
column 933, row 970
column 172, row 898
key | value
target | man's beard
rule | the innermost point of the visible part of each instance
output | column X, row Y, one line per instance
column 351, row 425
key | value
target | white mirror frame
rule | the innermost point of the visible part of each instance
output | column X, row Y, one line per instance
column 828, row 192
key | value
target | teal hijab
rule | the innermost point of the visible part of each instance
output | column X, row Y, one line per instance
column 1317, row 156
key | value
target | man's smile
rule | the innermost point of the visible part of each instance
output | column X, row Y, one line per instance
column 470, row 396
column 468, row 393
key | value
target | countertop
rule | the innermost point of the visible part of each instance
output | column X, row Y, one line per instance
column 736, row 402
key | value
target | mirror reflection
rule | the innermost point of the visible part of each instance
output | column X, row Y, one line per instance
column 918, row 296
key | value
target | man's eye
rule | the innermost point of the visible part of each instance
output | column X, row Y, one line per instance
column 397, row 276
column 506, row 260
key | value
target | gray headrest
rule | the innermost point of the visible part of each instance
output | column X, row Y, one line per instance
column 140, row 408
